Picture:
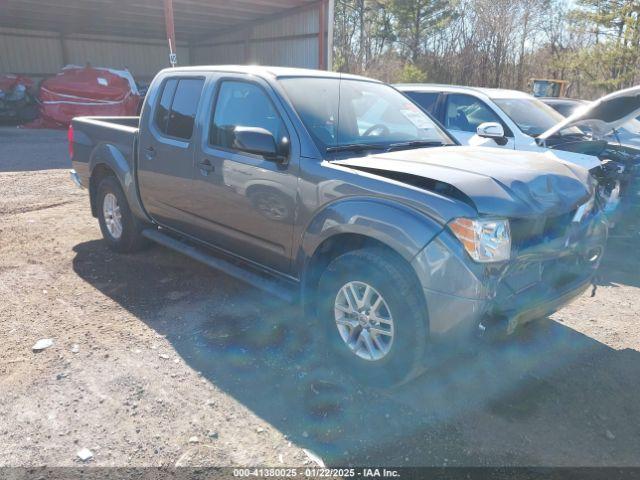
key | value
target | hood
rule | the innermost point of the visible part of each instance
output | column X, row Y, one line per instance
column 498, row 182
column 603, row 115
column 588, row 159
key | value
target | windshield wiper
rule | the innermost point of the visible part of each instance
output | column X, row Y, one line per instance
column 414, row 144
column 355, row 147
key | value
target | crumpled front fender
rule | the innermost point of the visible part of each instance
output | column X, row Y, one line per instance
column 398, row 226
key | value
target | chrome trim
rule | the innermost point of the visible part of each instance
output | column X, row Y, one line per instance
column 76, row 178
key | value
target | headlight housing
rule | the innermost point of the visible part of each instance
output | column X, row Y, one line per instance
column 485, row 240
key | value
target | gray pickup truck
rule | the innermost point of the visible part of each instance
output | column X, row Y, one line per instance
column 339, row 192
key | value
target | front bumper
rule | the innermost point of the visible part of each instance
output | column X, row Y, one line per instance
column 465, row 298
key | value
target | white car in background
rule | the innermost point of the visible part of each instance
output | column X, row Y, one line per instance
column 516, row 120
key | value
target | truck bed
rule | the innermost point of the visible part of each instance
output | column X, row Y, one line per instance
column 108, row 137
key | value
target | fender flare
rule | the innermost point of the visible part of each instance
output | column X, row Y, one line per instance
column 109, row 156
column 399, row 226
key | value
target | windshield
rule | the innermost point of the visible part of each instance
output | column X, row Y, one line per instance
column 532, row 116
column 342, row 113
column 632, row 127
column 628, row 132
column 566, row 109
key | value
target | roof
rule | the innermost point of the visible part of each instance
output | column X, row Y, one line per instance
column 194, row 19
column 489, row 92
column 268, row 71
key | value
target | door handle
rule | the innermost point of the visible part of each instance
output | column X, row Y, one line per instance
column 206, row 167
column 150, row 152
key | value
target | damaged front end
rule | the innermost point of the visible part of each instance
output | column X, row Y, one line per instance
column 618, row 175
column 619, row 180
column 596, row 130
column 534, row 244
column 554, row 260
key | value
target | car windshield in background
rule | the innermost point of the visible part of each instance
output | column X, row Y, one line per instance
column 566, row 109
column 532, row 116
column 360, row 115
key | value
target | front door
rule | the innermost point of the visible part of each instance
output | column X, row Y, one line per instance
column 166, row 152
column 246, row 203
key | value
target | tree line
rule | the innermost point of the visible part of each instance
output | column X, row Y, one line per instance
column 594, row 44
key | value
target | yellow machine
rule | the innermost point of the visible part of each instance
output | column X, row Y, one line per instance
column 543, row 87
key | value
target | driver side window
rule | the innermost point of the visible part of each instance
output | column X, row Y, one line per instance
column 243, row 104
column 464, row 113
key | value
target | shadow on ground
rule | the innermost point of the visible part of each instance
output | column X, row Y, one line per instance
column 545, row 397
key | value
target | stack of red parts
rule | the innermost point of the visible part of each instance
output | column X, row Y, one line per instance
column 86, row 91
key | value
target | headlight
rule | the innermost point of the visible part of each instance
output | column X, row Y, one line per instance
column 484, row 240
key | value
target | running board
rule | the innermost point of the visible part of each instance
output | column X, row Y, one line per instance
column 281, row 289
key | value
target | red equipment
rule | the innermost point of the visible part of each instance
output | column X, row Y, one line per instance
column 8, row 82
column 83, row 91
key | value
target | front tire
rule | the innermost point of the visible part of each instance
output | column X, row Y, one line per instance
column 373, row 317
column 120, row 229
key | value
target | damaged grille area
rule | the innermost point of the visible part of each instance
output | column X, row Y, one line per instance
column 526, row 232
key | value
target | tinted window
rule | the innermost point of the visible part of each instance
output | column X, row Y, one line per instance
column 465, row 113
column 426, row 100
column 163, row 109
column 184, row 107
column 247, row 105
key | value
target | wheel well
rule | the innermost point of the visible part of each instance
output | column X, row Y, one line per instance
column 99, row 172
column 332, row 248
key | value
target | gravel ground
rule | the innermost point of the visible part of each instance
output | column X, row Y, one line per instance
column 157, row 360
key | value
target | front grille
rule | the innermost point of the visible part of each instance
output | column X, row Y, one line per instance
column 527, row 232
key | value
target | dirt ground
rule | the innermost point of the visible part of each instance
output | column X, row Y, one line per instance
column 158, row 360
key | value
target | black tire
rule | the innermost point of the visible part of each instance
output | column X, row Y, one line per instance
column 393, row 279
column 131, row 239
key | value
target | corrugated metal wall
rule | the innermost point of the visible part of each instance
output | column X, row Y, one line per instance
column 22, row 52
column 143, row 59
column 40, row 54
column 288, row 40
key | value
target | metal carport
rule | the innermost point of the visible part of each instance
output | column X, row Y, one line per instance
column 37, row 37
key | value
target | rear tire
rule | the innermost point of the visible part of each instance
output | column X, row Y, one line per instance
column 120, row 229
column 383, row 342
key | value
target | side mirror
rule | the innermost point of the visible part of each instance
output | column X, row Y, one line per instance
column 490, row 130
column 259, row 141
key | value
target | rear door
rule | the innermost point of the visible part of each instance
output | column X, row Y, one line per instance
column 462, row 114
column 166, row 150
column 244, row 203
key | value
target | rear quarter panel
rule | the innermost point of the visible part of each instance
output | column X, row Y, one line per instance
column 110, row 142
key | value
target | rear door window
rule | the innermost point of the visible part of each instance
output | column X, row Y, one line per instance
column 184, row 108
column 176, row 110
column 164, row 105
column 426, row 100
